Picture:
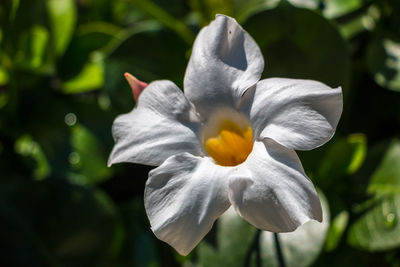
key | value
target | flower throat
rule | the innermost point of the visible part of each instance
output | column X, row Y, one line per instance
column 229, row 140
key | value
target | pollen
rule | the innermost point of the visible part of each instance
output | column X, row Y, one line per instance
column 231, row 143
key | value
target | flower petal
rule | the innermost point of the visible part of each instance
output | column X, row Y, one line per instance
column 183, row 198
column 274, row 194
column 299, row 114
column 159, row 127
column 225, row 62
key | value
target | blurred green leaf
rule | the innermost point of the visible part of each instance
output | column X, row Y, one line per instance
column 345, row 156
column 244, row 9
column 310, row 4
column 233, row 241
column 383, row 59
column 337, row 8
column 386, row 178
column 90, row 39
column 33, row 49
column 124, row 13
column 206, row 10
column 336, row 230
column 301, row 247
column 379, row 228
column 62, row 15
column 330, row 8
column 110, row 30
column 165, row 18
column 87, row 158
column 353, row 27
column 90, row 78
column 53, row 223
column 26, row 146
column 299, row 43
column 4, row 77
column 13, row 9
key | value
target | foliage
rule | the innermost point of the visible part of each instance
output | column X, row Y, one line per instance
column 61, row 86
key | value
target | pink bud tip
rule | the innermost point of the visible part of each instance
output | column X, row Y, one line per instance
column 136, row 85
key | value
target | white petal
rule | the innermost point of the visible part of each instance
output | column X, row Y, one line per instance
column 183, row 198
column 156, row 129
column 275, row 194
column 225, row 62
column 301, row 247
column 299, row 114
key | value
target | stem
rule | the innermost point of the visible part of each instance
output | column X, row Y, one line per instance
column 255, row 247
column 279, row 251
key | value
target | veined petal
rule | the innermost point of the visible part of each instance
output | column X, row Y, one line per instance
column 299, row 114
column 273, row 193
column 159, row 127
column 183, row 198
column 225, row 62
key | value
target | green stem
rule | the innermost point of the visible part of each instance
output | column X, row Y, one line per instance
column 279, row 253
column 254, row 248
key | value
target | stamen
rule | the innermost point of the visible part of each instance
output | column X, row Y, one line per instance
column 231, row 143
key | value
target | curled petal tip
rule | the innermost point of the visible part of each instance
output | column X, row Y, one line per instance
column 136, row 85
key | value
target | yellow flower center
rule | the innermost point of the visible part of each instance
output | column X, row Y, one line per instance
column 230, row 139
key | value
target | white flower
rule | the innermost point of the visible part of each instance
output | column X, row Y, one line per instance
column 228, row 140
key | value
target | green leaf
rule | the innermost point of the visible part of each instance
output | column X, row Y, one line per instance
column 165, row 18
column 330, row 8
column 301, row 247
column 360, row 22
column 90, row 39
column 379, row 228
column 336, row 230
column 54, row 223
column 310, row 4
column 337, row 8
column 62, row 15
column 4, row 77
column 233, row 241
column 90, row 78
column 345, row 156
column 206, row 10
column 33, row 45
column 386, row 178
column 87, row 159
column 14, row 8
column 26, row 146
column 299, row 43
column 353, row 27
column 383, row 59
column 242, row 10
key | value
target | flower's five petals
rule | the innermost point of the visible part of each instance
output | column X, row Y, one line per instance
column 299, row 114
column 181, row 203
column 274, row 194
column 136, row 85
column 225, row 62
column 156, row 129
